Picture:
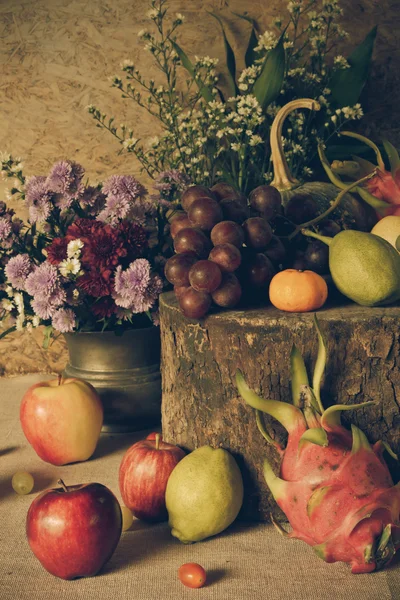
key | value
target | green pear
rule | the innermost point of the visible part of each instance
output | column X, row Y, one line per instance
column 204, row 494
column 364, row 267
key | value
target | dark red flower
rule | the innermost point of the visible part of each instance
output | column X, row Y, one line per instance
column 96, row 283
column 57, row 251
column 105, row 307
column 103, row 249
column 82, row 228
column 134, row 238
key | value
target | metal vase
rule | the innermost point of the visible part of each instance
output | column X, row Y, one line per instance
column 125, row 370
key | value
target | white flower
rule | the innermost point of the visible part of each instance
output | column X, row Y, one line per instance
column 235, row 147
column 36, row 321
column 127, row 64
column 130, row 143
column 243, row 87
column 75, row 294
column 340, row 62
column 7, row 305
column 219, row 134
column 69, row 267
column 266, row 41
column 142, row 33
column 334, row 118
column 152, row 13
column 153, row 141
column 180, row 17
column 19, row 302
column 74, row 248
column 255, row 140
column 29, row 327
column 9, row 291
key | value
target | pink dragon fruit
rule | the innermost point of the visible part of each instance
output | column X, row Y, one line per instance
column 334, row 488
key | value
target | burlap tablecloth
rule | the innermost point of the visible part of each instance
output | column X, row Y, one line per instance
column 248, row 561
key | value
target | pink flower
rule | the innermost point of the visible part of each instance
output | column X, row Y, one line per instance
column 386, row 186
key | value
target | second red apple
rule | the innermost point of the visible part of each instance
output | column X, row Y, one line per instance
column 143, row 477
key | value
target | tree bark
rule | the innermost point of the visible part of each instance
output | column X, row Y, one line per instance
column 201, row 405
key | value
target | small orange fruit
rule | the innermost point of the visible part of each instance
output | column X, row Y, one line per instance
column 298, row 291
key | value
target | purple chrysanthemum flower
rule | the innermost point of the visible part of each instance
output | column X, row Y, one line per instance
column 124, row 186
column 125, row 200
column 43, row 281
column 45, row 307
column 5, row 229
column 38, row 198
column 17, row 270
column 170, row 184
column 65, row 179
column 64, row 320
column 136, row 288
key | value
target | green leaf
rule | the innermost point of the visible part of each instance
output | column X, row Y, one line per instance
column 317, row 436
column 346, row 84
column 319, row 365
column 48, row 331
column 376, row 203
column 230, row 59
column 269, row 82
column 298, row 374
column 186, row 62
column 250, row 55
column 393, row 156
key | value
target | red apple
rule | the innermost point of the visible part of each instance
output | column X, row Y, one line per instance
column 74, row 530
column 62, row 420
column 143, row 476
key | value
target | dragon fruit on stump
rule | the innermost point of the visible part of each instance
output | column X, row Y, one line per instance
column 334, row 488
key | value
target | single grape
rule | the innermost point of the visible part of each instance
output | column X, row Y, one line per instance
column 223, row 190
column 258, row 233
column 257, row 271
column 22, row 483
column 276, row 251
column 205, row 276
column 266, row 200
column 301, row 208
column 192, row 240
column 205, row 213
column 226, row 256
column 192, row 193
column 234, row 210
column 127, row 518
column 228, row 294
column 193, row 304
column 179, row 222
column 177, row 268
column 227, row 232
column 299, row 262
column 316, row 257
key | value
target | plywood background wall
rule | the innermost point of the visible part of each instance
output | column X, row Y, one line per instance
column 56, row 57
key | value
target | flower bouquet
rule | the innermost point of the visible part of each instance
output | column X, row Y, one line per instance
column 217, row 127
column 86, row 260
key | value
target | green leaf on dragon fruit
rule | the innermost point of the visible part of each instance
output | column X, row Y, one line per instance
column 330, row 419
column 264, row 432
column 250, row 55
column 359, row 440
column 346, row 85
column 376, row 203
column 279, row 487
column 298, row 374
column 386, row 548
column 314, row 436
column 319, row 365
column 268, row 84
column 288, row 415
column 366, row 166
column 368, row 142
column 230, row 59
column 186, row 62
column 381, row 445
column 393, row 156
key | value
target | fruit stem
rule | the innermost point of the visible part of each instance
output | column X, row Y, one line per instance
column 157, row 441
column 322, row 238
column 283, row 179
column 64, row 487
column 60, row 378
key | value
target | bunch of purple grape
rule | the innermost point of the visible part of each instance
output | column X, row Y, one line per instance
column 225, row 247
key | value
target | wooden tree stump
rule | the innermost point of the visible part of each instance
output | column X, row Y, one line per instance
column 200, row 402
